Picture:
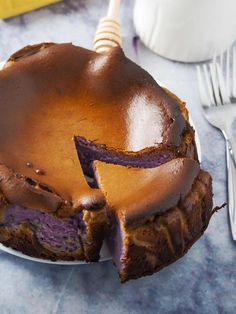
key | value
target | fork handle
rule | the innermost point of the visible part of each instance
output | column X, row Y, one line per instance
column 229, row 137
column 231, row 173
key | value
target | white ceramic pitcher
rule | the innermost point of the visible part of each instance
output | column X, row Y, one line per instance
column 186, row 30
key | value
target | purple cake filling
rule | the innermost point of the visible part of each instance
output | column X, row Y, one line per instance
column 115, row 242
column 60, row 234
column 89, row 151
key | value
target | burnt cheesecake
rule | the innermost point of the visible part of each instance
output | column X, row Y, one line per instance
column 92, row 149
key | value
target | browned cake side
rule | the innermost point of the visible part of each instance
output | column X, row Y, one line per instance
column 155, row 214
column 167, row 237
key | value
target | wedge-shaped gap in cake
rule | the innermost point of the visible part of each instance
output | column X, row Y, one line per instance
column 89, row 151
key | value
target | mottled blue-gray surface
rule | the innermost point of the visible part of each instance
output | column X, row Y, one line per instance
column 204, row 281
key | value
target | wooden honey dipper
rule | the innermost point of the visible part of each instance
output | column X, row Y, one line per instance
column 108, row 32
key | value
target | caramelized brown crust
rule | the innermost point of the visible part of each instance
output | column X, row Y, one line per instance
column 48, row 93
column 168, row 236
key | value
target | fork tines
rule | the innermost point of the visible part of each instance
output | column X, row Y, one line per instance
column 216, row 85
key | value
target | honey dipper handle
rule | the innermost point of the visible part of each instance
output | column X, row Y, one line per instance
column 114, row 10
column 108, row 33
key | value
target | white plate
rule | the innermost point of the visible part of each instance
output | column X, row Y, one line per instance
column 105, row 255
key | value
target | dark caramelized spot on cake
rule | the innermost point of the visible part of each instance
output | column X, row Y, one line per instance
column 32, row 182
column 40, row 185
column 28, row 51
column 46, row 188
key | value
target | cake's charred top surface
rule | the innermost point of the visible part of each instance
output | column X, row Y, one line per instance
column 50, row 95
column 139, row 193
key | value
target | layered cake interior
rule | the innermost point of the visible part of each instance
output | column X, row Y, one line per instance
column 92, row 149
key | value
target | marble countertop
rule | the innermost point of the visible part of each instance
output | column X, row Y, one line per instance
column 204, row 281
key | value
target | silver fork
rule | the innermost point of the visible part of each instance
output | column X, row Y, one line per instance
column 217, row 94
